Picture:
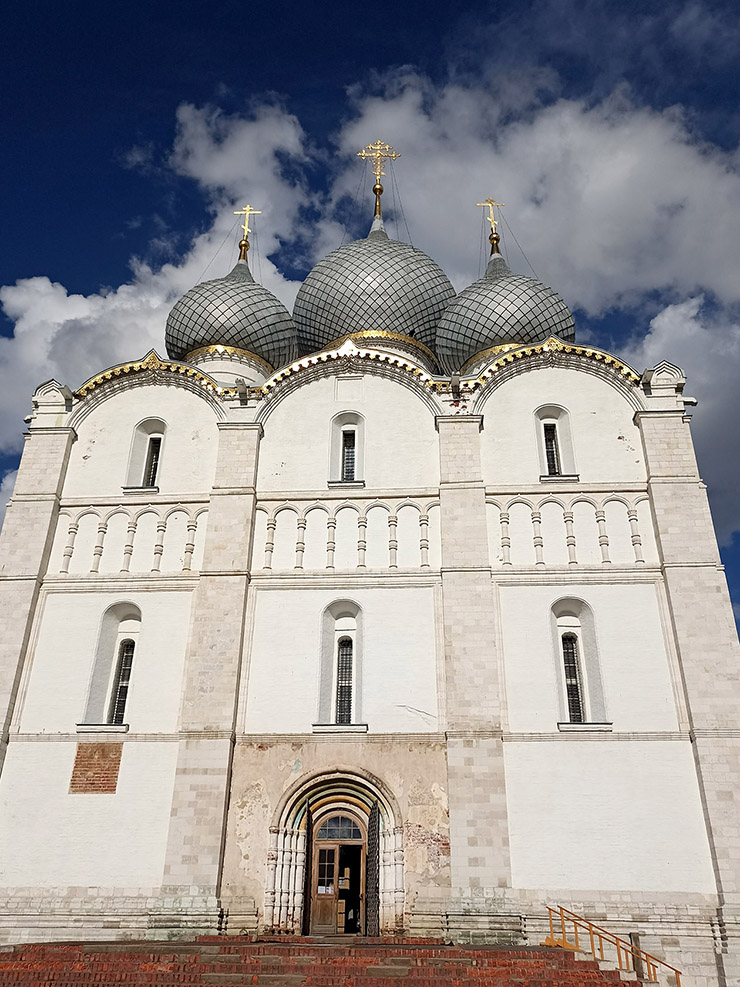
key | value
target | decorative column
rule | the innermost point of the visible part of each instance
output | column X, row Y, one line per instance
column 603, row 537
column 300, row 545
column 392, row 541
column 424, row 540
column 570, row 537
column 362, row 541
column 159, row 545
column 635, row 535
column 505, row 538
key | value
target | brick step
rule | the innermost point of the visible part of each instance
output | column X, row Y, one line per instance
column 317, row 968
column 295, row 962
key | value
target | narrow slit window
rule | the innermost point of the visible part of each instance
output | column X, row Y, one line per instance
column 348, row 454
column 121, row 682
column 152, row 461
column 573, row 689
column 552, row 453
column 344, row 681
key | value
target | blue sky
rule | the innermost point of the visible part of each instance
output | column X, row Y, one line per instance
column 131, row 131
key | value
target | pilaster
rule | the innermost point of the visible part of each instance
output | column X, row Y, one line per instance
column 197, row 828
column 25, row 544
column 479, row 839
column 705, row 634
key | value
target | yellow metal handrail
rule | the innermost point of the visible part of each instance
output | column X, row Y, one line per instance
column 629, row 957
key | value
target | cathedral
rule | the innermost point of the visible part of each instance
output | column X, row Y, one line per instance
column 401, row 614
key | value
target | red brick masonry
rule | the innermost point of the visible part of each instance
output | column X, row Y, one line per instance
column 96, row 768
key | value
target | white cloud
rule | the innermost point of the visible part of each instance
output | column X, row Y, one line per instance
column 707, row 348
column 609, row 201
column 70, row 337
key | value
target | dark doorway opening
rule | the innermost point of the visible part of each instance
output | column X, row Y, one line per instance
column 349, row 906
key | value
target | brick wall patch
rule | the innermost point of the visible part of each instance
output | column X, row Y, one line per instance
column 96, row 768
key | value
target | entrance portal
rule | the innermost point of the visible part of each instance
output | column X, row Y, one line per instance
column 338, row 879
column 335, row 859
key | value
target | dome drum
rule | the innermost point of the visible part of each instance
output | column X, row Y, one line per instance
column 227, row 363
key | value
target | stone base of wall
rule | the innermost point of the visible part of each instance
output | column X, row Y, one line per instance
column 97, row 914
column 686, row 934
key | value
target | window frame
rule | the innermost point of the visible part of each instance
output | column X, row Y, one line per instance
column 574, row 617
column 557, row 418
column 119, row 623
column 342, row 424
column 581, row 692
column 343, row 681
column 340, row 620
column 148, row 435
column 121, row 681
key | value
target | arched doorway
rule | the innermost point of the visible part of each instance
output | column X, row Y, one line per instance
column 322, row 877
column 338, row 875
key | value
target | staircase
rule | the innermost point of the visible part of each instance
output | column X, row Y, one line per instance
column 297, row 962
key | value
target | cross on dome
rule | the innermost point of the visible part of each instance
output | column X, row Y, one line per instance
column 246, row 212
column 378, row 153
column 493, row 238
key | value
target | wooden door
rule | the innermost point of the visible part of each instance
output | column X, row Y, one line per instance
column 325, row 890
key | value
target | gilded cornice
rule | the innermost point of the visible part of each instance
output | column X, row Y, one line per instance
column 348, row 351
column 151, row 363
column 549, row 346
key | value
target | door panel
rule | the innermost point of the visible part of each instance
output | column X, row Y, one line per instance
column 372, row 883
column 324, row 904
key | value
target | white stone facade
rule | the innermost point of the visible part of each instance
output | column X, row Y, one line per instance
column 454, row 555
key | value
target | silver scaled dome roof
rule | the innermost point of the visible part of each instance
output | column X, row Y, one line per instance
column 375, row 283
column 500, row 308
column 232, row 311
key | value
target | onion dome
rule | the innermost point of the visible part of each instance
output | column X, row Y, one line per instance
column 232, row 311
column 371, row 284
column 500, row 309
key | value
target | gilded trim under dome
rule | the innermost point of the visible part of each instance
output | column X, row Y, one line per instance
column 229, row 352
column 381, row 334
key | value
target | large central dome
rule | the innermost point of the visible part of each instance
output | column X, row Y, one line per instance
column 375, row 283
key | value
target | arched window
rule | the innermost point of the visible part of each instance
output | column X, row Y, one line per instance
column 581, row 698
column 145, row 459
column 555, row 443
column 340, row 679
column 347, row 449
column 119, row 691
column 573, row 677
column 113, row 665
column 343, row 705
column 339, row 828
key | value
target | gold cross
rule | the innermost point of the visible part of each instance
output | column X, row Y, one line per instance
column 246, row 212
column 378, row 152
column 489, row 204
